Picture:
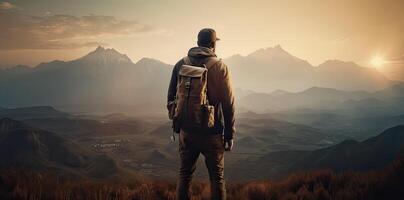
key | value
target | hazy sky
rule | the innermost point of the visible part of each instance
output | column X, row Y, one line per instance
column 44, row 30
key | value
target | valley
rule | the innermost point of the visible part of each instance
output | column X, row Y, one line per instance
column 114, row 110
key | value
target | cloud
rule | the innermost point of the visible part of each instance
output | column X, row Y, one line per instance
column 20, row 31
column 6, row 5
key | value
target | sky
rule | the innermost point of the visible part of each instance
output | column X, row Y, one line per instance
column 315, row 30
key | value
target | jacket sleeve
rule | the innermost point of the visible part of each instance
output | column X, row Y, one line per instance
column 227, row 100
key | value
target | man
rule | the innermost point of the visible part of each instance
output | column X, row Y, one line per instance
column 211, row 142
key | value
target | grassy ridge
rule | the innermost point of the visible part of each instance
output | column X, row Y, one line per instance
column 321, row 184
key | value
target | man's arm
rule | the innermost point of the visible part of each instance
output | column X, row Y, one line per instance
column 227, row 100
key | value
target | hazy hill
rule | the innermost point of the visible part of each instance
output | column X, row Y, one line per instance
column 351, row 114
column 268, row 69
column 373, row 153
column 349, row 76
column 85, row 127
column 36, row 149
column 385, row 101
column 31, row 113
column 343, row 125
column 317, row 97
column 274, row 68
column 270, row 134
column 396, row 91
column 108, row 81
column 103, row 77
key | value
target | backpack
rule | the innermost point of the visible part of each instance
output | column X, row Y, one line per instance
column 191, row 109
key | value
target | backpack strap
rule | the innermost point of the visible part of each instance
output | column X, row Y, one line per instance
column 187, row 61
column 211, row 61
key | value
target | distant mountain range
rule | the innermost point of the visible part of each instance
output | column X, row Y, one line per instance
column 105, row 78
column 102, row 78
column 23, row 146
column 356, row 114
column 274, row 68
column 373, row 153
column 386, row 101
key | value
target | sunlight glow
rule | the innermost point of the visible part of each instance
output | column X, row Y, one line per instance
column 377, row 61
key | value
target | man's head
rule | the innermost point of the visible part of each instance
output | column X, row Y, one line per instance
column 207, row 38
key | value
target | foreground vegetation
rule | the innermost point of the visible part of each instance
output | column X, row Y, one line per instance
column 322, row 184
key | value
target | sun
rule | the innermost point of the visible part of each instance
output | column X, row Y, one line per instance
column 377, row 61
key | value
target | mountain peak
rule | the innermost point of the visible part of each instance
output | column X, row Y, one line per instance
column 107, row 56
column 99, row 48
column 339, row 63
column 278, row 47
column 149, row 61
column 274, row 54
column 102, row 50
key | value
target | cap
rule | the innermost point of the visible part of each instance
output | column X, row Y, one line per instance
column 207, row 36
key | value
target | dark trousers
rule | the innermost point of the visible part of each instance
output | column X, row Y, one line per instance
column 211, row 147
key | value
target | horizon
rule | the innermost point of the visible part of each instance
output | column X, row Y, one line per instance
column 268, row 53
column 317, row 31
column 154, row 58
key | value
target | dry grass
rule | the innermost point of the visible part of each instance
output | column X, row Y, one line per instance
column 323, row 184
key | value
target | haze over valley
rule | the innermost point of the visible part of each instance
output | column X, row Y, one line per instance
column 114, row 110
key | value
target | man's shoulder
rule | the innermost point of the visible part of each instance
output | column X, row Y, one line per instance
column 217, row 63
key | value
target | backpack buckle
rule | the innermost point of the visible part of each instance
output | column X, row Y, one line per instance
column 188, row 84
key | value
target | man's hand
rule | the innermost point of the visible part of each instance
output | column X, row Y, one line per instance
column 228, row 145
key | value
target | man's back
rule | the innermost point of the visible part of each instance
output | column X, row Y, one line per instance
column 210, row 142
column 220, row 93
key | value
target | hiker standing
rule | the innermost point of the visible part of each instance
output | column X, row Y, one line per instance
column 201, row 105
